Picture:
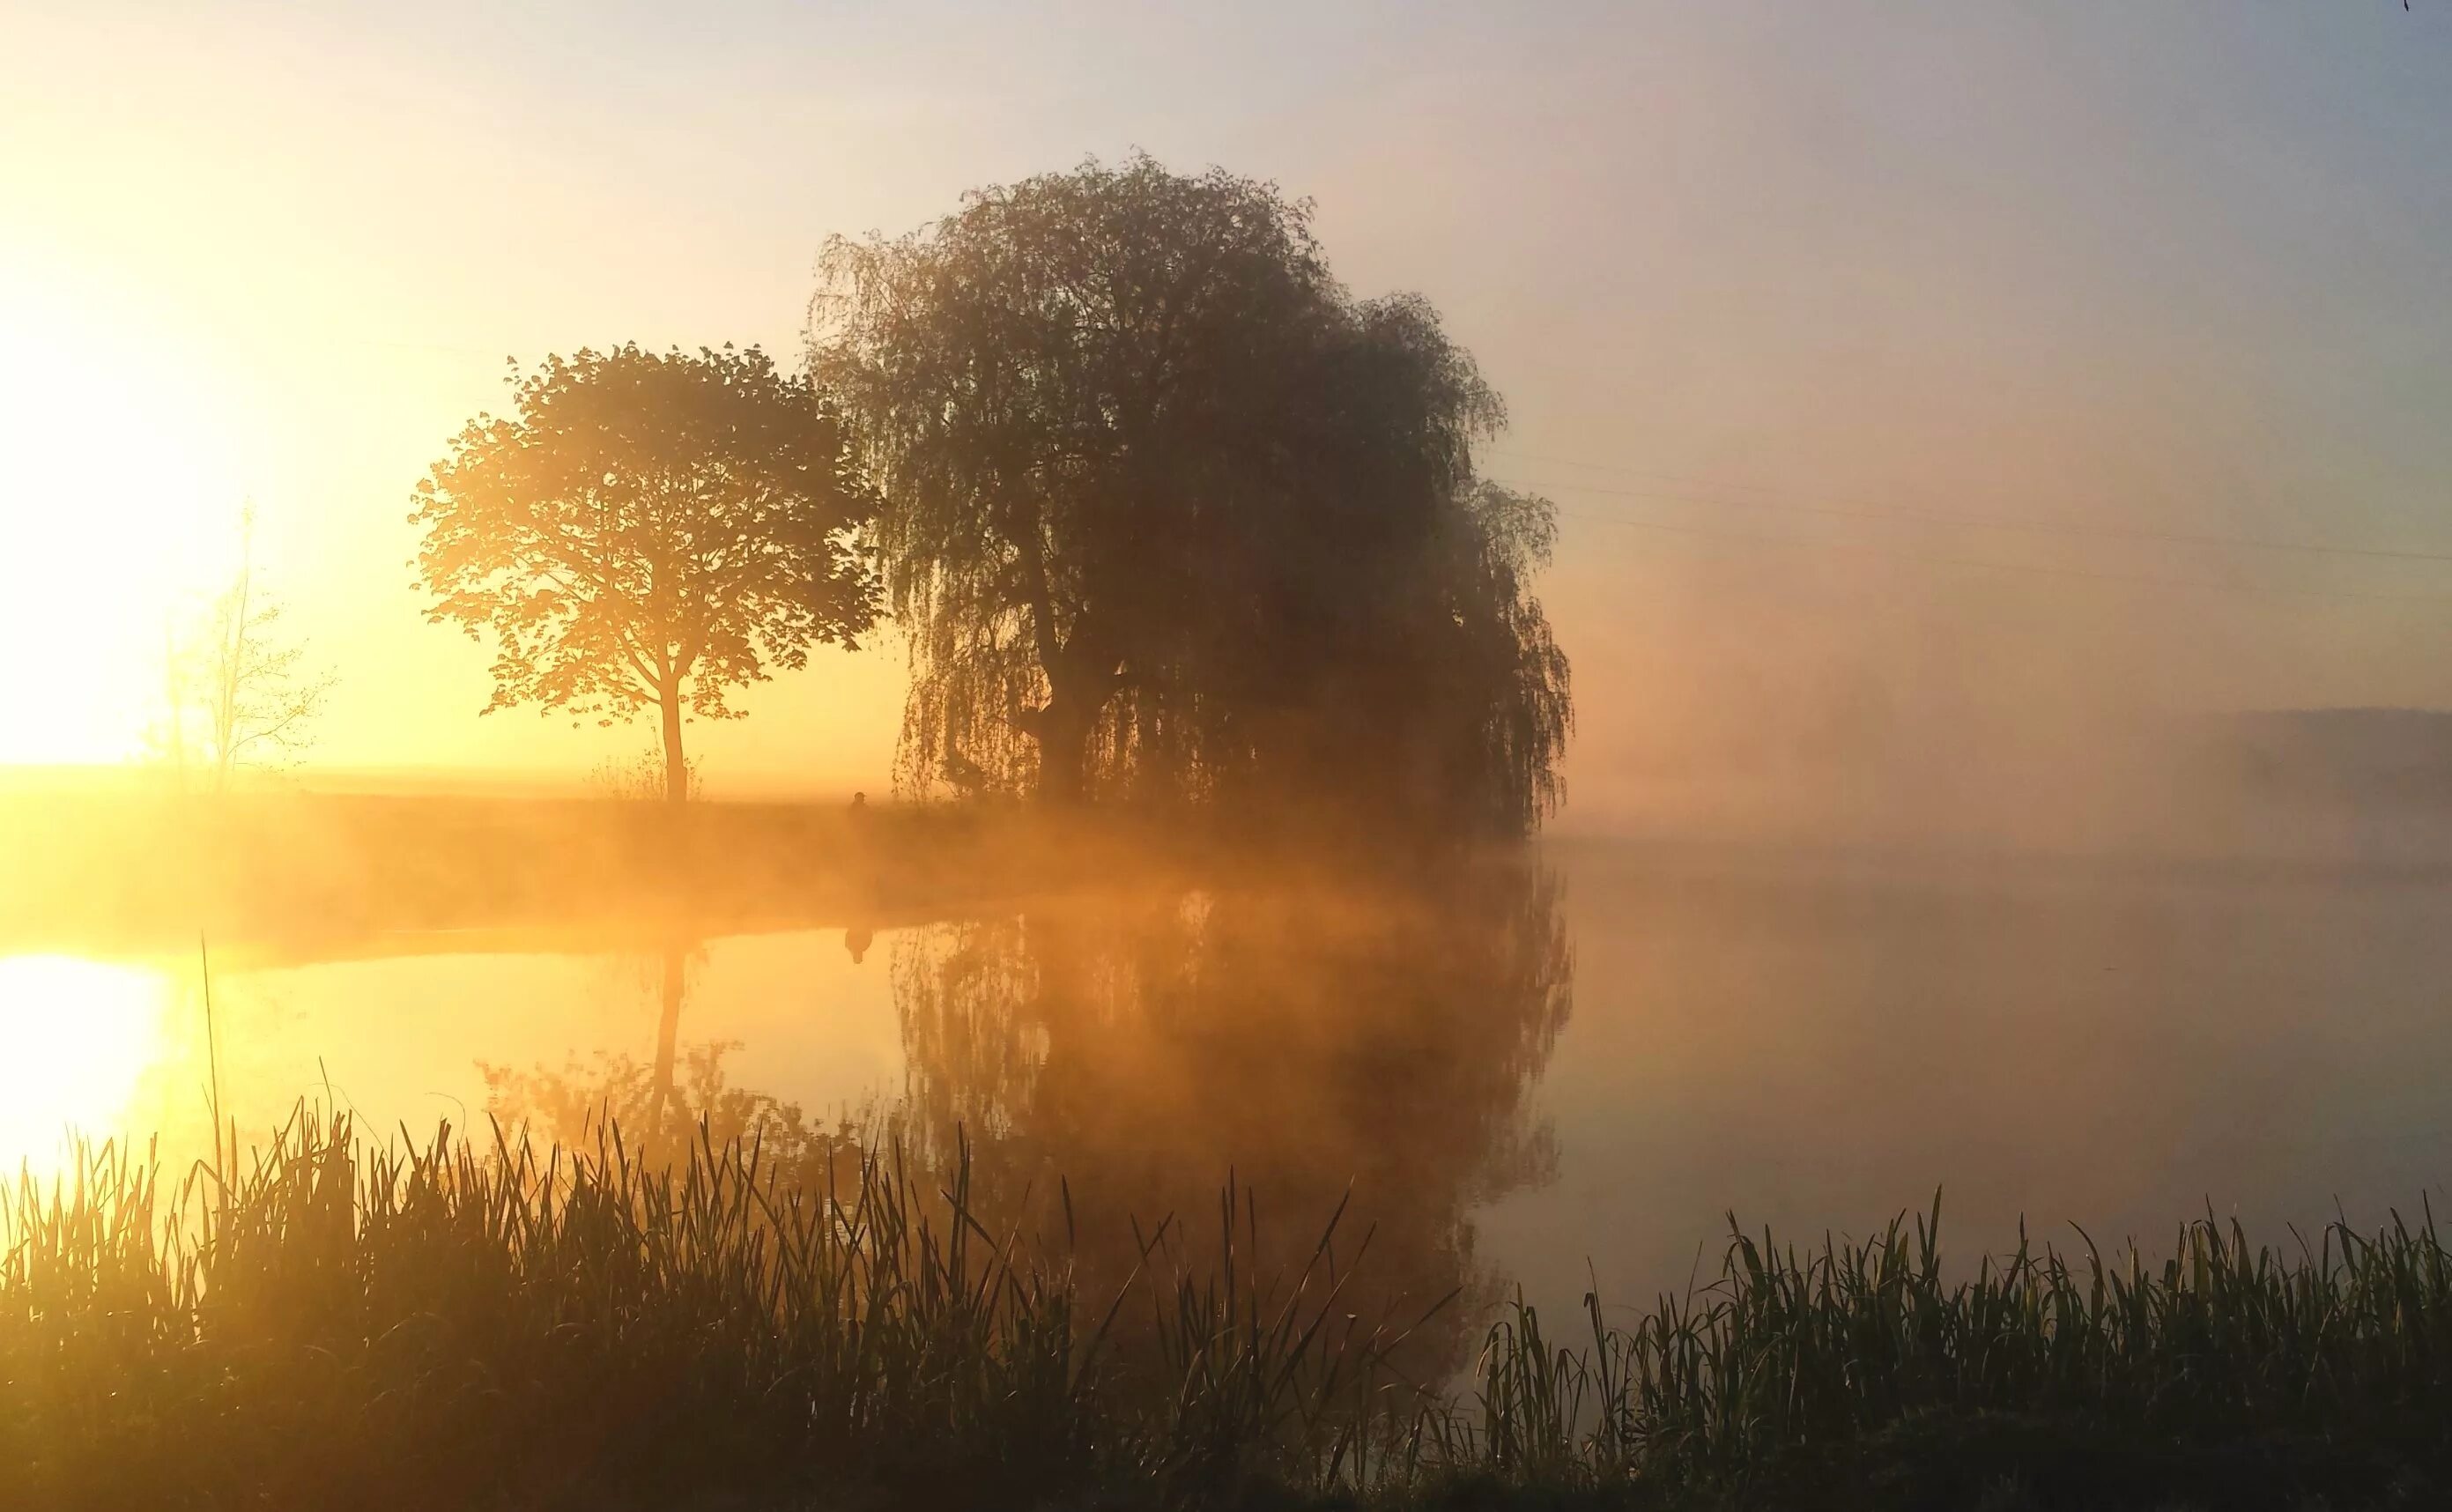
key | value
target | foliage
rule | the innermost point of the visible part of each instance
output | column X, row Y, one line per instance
column 500, row 1326
column 1160, row 501
column 649, row 530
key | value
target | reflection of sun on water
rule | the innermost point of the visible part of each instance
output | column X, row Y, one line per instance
column 75, row 1036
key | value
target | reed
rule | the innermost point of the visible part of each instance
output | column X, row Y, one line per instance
column 480, row 1324
column 2227, row 1375
column 338, row 1322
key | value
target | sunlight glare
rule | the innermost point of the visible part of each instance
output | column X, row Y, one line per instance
column 118, row 489
column 75, row 1037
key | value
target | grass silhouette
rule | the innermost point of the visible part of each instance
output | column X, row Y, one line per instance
column 333, row 1321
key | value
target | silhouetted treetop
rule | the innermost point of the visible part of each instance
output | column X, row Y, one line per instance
column 1161, row 502
column 649, row 530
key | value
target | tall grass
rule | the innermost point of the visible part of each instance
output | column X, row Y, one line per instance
column 491, row 1325
column 459, row 1324
column 1859, row 1373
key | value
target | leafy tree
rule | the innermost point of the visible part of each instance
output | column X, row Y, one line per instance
column 649, row 530
column 1164, row 508
column 1038, row 382
column 1377, row 655
column 236, row 689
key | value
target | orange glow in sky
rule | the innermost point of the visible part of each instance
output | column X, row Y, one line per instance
column 1773, row 300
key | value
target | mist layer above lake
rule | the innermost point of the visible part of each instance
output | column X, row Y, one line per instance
column 1584, row 1059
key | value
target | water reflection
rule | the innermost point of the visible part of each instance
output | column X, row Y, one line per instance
column 1110, row 1062
column 79, row 1037
column 684, row 1092
column 410, row 1029
column 1305, row 1044
column 1815, row 1041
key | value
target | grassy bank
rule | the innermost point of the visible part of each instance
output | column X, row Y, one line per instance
column 494, row 1324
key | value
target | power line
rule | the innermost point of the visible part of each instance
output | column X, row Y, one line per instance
column 1965, row 521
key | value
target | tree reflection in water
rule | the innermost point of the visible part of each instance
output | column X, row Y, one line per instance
column 665, row 1105
column 1303, row 1041
column 1110, row 1062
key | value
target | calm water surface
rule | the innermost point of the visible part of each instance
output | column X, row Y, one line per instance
column 1539, row 1076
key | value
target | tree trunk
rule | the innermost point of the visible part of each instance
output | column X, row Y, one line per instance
column 1063, row 731
column 1080, row 678
column 676, row 765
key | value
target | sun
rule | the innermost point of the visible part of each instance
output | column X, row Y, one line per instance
column 116, row 491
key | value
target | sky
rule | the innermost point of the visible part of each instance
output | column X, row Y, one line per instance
column 1907, row 377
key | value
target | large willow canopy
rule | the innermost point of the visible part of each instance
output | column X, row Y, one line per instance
column 1169, row 515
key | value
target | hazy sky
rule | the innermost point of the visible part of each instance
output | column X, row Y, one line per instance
column 1776, row 293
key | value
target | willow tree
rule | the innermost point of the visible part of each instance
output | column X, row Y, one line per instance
column 648, row 530
column 1381, row 656
column 1153, row 485
column 1042, row 388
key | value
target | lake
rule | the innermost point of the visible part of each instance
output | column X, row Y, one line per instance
column 1547, row 1074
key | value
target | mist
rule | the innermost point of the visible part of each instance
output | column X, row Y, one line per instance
column 1396, row 755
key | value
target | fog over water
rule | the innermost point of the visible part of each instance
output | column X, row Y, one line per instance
column 1550, row 1071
